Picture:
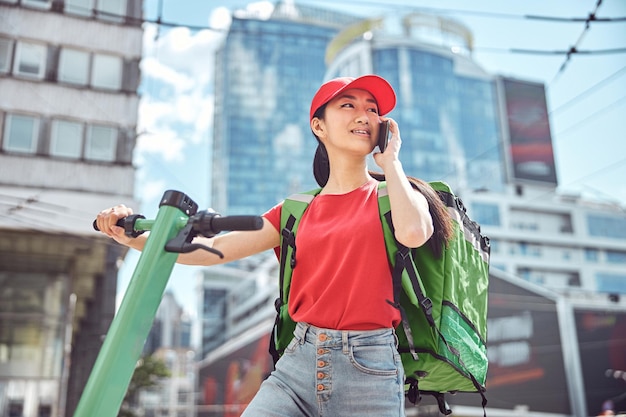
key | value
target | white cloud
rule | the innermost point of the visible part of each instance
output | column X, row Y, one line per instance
column 220, row 18
column 204, row 119
column 152, row 190
column 258, row 10
column 183, row 51
column 154, row 114
column 151, row 67
column 165, row 143
column 177, row 100
column 191, row 112
column 187, row 108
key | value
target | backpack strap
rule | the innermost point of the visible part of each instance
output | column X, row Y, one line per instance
column 401, row 258
column 291, row 212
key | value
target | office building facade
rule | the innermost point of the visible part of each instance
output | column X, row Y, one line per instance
column 68, row 110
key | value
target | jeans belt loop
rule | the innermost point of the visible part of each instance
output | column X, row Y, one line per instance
column 305, row 330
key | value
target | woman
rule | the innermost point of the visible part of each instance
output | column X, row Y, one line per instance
column 343, row 358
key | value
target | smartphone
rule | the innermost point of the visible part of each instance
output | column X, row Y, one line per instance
column 383, row 135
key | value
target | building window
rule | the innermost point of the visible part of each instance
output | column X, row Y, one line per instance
column 16, row 408
column 21, row 133
column 74, row 66
column 106, row 72
column 101, row 143
column 591, row 254
column 45, row 410
column 67, row 139
column 112, row 10
column 486, row 214
column 79, row 7
column 494, row 246
column 30, row 59
column 616, row 257
column 6, row 50
column 42, row 4
column 611, row 283
column 606, row 226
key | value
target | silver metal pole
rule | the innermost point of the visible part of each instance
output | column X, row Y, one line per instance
column 67, row 355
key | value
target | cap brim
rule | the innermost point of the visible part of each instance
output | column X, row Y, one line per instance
column 378, row 87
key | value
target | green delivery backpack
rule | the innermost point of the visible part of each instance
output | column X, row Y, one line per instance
column 442, row 300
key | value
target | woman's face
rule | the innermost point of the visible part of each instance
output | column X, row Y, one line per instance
column 351, row 122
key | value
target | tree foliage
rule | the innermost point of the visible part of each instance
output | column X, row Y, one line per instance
column 148, row 372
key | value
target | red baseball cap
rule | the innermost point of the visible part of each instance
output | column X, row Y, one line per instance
column 377, row 86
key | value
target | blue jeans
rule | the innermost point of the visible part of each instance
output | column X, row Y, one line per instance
column 334, row 373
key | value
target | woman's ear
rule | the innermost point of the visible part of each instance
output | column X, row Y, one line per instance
column 317, row 127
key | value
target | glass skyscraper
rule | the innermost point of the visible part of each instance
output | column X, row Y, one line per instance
column 266, row 74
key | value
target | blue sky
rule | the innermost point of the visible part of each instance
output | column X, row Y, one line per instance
column 586, row 94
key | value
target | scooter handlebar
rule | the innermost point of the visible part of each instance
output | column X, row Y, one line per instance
column 206, row 223
column 120, row 223
column 210, row 223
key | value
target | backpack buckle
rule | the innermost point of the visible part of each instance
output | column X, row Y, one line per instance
column 289, row 238
column 427, row 305
column 413, row 393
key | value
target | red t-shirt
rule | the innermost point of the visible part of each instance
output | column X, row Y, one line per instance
column 342, row 279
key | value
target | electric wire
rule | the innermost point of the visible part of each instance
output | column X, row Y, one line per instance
column 602, row 111
column 497, row 15
column 600, row 171
column 588, row 91
column 578, row 41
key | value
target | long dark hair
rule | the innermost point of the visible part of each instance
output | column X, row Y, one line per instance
column 321, row 164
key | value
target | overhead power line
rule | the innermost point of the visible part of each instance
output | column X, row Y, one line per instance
column 387, row 5
column 599, row 112
column 591, row 18
column 579, row 40
column 568, row 52
column 588, row 91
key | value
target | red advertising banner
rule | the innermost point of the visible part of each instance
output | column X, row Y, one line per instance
column 531, row 152
column 602, row 346
column 228, row 385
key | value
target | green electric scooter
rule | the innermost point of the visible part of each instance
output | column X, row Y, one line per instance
column 177, row 222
